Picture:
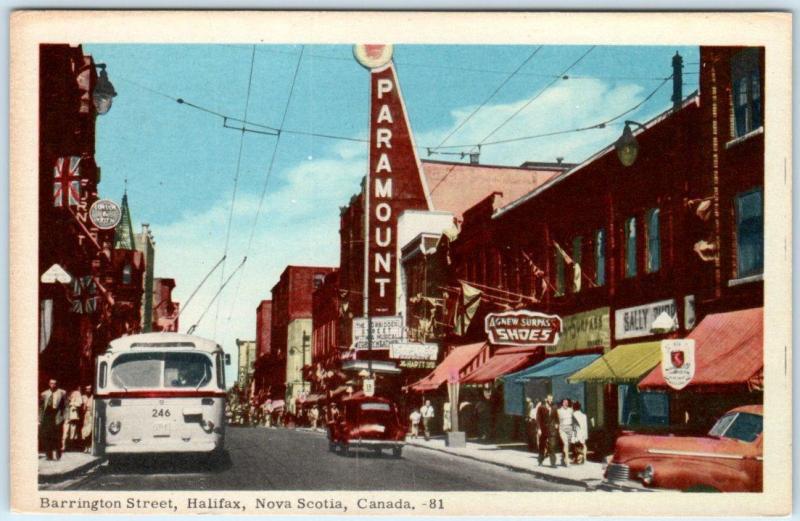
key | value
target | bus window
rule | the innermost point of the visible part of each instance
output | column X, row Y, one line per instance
column 220, row 372
column 137, row 370
column 186, row 370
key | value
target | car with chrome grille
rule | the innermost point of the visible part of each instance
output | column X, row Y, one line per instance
column 728, row 459
column 367, row 422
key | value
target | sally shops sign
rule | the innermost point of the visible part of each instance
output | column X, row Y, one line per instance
column 522, row 328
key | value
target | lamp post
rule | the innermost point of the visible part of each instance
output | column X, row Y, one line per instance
column 626, row 146
column 104, row 92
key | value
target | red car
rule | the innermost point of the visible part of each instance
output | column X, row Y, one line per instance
column 728, row 459
column 368, row 422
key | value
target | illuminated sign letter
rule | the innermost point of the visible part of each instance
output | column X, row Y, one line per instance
column 383, row 188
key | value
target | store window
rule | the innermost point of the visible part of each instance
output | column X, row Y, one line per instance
column 653, row 240
column 750, row 233
column 630, row 247
column 577, row 249
column 642, row 408
column 600, row 257
column 746, row 83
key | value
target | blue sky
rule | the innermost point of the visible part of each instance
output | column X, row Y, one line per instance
column 180, row 162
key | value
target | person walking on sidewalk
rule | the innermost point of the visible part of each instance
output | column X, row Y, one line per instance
column 415, row 417
column 51, row 419
column 565, row 429
column 427, row 418
column 87, row 418
column 72, row 425
column 544, row 422
column 531, row 428
column 580, row 432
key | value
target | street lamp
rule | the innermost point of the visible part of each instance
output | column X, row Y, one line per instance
column 104, row 92
column 627, row 147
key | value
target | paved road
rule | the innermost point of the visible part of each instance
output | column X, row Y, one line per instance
column 281, row 459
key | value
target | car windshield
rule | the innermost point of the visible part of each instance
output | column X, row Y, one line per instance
column 740, row 426
column 152, row 370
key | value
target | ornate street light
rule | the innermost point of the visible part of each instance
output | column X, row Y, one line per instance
column 627, row 147
column 104, row 92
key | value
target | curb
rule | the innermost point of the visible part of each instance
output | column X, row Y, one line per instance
column 67, row 474
column 541, row 475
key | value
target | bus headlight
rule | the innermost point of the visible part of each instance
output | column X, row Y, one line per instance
column 207, row 425
column 647, row 474
column 114, row 427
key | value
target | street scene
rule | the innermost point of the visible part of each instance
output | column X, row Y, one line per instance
column 531, row 268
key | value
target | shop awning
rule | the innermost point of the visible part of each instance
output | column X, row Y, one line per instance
column 729, row 352
column 625, row 364
column 377, row 366
column 553, row 367
column 457, row 358
column 503, row 361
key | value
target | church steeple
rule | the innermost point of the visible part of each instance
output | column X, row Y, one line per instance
column 123, row 235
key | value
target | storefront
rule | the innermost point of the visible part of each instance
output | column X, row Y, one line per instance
column 726, row 370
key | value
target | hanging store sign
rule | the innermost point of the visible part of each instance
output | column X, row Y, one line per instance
column 394, row 180
column 677, row 362
column 522, row 328
column 385, row 332
column 414, row 351
column 585, row 330
column 638, row 321
column 417, row 364
column 105, row 214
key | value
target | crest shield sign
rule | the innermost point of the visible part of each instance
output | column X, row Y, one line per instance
column 677, row 362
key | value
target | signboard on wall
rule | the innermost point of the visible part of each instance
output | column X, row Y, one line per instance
column 584, row 331
column 677, row 362
column 637, row 321
column 522, row 328
column 414, row 351
column 417, row 364
column 385, row 332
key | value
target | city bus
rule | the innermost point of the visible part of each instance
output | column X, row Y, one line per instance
column 160, row 393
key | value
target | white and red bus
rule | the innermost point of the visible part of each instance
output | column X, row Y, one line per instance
column 160, row 392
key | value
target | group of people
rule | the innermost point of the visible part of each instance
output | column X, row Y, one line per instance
column 425, row 415
column 65, row 420
column 554, row 430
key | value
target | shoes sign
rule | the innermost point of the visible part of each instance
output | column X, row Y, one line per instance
column 677, row 362
column 523, row 328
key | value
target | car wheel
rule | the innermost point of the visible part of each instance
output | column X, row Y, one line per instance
column 701, row 488
column 377, row 452
column 397, row 452
column 345, row 449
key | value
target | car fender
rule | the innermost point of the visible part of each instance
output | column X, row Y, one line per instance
column 682, row 474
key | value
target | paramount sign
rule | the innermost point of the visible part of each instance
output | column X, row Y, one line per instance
column 523, row 328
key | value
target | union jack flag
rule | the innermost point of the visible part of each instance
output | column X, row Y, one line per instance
column 84, row 295
column 67, row 182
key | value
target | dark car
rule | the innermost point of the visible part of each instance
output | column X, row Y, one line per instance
column 728, row 459
column 367, row 422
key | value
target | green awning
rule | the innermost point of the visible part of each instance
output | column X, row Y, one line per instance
column 625, row 364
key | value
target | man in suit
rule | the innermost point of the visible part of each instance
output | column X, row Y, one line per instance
column 51, row 419
column 544, row 425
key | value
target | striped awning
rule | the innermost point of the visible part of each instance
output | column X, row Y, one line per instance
column 625, row 364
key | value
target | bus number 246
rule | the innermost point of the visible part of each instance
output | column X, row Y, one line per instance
column 161, row 413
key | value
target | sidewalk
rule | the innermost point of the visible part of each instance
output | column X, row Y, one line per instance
column 70, row 465
column 516, row 457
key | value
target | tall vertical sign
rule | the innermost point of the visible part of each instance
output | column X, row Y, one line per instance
column 394, row 182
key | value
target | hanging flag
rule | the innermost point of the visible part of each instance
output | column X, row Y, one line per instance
column 45, row 323
column 468, row 306
column 576, row 268
column 84, row 295
column 67, row 182
column 567, row 258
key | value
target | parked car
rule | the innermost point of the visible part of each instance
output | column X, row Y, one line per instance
column 367, row 422
column 728, row 459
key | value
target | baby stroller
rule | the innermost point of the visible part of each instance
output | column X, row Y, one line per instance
column 577, row 452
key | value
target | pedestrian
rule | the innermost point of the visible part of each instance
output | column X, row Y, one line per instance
column 580, row 432
column 427, row 418
column 531, row 425
column 446, row 417
column 553, row 440
column 543, row 424
column 314, row 415
column 72, row 424
column 87, row 418
column 415, row 417
column 51, row 419
column 565, row 429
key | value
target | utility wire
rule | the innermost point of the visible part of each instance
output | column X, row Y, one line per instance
column 194, row 326
column 492, row 95
column 236, row 180
column 186, row 304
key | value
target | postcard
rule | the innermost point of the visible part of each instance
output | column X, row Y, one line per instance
column 408, row 263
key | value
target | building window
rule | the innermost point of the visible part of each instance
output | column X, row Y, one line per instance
column 559, row 271
column 653, row 240
column 630, row 247
column 126, row 274
column 746, row 82
column 642, row 408
column 319, row 278
column 577, row 249
column 750, row 233
column 600, row 257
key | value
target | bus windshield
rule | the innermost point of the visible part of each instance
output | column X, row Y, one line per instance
column 153, row 370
